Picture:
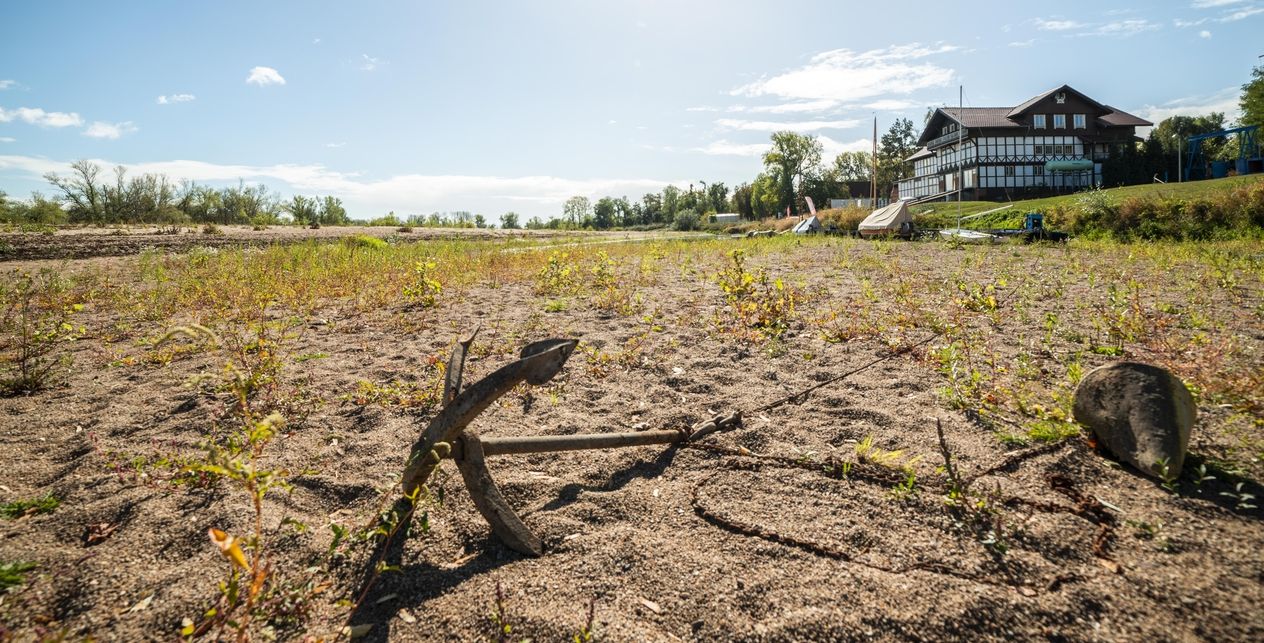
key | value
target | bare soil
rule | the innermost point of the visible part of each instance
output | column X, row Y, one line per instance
column 759, row 539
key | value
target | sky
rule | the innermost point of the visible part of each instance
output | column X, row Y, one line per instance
column 416, row 107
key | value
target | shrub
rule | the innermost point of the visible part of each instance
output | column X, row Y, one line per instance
column 35, row 320
column 365, row 241
column 687, row 219
column 211, row 228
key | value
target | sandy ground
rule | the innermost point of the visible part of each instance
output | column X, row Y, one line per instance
column 667, row 544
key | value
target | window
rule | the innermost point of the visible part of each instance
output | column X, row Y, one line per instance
column 1059, row 121
column 1040, row 149
column 1039, row 170
column 1009, row 170
column 1038, row 121
column 1080, row 121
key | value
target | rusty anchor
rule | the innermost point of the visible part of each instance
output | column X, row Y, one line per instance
column 445, row 436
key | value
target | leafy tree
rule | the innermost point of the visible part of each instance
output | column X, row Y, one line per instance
column 509, row 221
column 534, row 223
column 741, row 201
column 652, row 208
column 791, row 156
column 604, row 213
column 686, row 219
column 895, row 146
column 671, row 203
column 852, row 166
column 1252, row 101
column 576, row 210
column 480, row 221
column 765, row 198
column 303, row 209
column 719, row 195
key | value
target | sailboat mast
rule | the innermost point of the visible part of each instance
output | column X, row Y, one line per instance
column 961, row 155
column 873, row 178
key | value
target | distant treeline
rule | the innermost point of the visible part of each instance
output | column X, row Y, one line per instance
column 86, row 197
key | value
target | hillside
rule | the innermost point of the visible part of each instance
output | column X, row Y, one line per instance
column 938, row 215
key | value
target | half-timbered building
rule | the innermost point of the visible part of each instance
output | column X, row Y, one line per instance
column 1053, row 142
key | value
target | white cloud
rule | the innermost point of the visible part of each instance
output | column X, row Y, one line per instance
column 402, row 193
column 315, row 41
column 843, row 74
column 111, row 131
column 1225, row 100
column 1204, row 34
column 891, row 105
column 7, row 139
column 788, row 108
column 702, row 108
column 1122, row 28
column 1240, row 14
column 1023, row 43
column 37, row 116
column 264, row 76
column 369, row 63
column 725, row 148
column 335, row 145
column 1057, row 25
column 1208, row 4
column 176, row 98
column 6, row 84
column 775, row 126
column 832, row 148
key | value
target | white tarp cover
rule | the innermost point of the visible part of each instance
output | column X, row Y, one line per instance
column 808, row 225
column 888, row 220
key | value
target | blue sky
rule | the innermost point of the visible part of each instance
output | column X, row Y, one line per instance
column 497, row 106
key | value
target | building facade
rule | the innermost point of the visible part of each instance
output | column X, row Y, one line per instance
column 1053, row 142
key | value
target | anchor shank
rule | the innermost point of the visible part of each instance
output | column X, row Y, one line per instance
column 539, row 444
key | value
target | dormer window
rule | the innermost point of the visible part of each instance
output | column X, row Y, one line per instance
column 1059, row 121
column 1038, row 121
column 1080, row 121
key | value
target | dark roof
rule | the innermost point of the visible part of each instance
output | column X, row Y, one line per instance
column 921, row 153
column 1121, row 118
column 1018, row 111
column 980, row 116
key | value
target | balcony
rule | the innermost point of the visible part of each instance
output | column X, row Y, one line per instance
column 948, row 139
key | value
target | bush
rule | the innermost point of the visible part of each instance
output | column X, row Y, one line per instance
column 211, row 228
column 687, row 219
column 365, row 241
column 35, row 320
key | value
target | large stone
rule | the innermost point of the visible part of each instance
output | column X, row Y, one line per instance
column 1140, row 413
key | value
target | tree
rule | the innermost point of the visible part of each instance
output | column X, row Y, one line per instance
column 534, row 223
column 852, row 166
column 303, row 209
column 603, row 213
column 791, row 156
column 509, row 221
column 81, row 192
column 576, row 210
column 896, row 145
column 719, row 195
column 652, row 208
column 765, row 199
column 741, row 202
column 671, row 203
column 1252, row 101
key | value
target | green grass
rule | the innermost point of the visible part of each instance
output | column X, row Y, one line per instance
column 13, row 574
column 19, row 508
column 1010, row 215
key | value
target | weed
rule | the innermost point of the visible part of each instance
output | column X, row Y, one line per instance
column 14, row 574
column 755, row 300
column 1243, row 501
column 31, row 507
column 424, row 289
column 35, row 322
column 212, row 229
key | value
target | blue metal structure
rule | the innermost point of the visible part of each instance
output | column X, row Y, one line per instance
column 1250, row 158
